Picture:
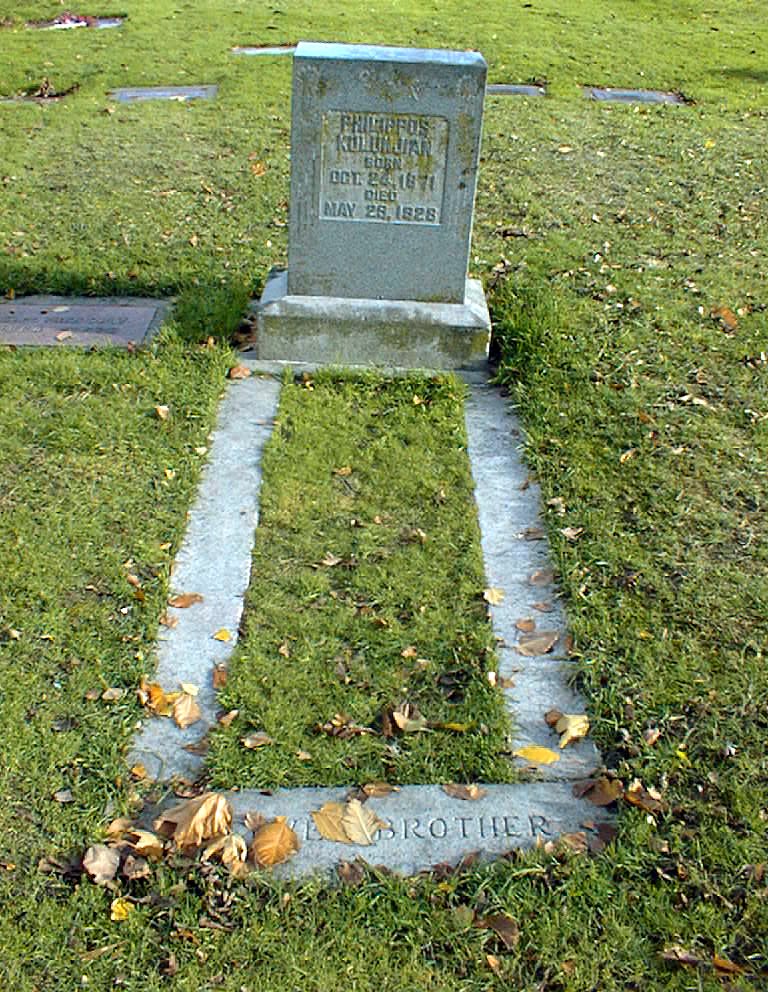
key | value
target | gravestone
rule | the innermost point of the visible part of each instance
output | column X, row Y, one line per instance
column 79, row 322
column 384, row 152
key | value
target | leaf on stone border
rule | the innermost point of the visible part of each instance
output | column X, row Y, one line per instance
column 190, row 823
column 328, row 820
column 571, row 727
column 186, row 710
column 145, row 843
column 537, row 754
column 375, row 790
column 538, row 643
column 468, row 792
column 231, row 850
column 184, row 600
column 239, row 372
column 493, row 595
column 361, row 824
column 599, row 791
column 273, row 843
column 220, row 673
column 526, row 625
column 542, row 577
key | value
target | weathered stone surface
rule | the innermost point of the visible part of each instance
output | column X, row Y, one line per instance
column 139, row 94
column 62, row 321
column 631, row 96
column 426, row 826
column 515, row 89
column 263, row 49
column 385, row 145
column 403, row 333
column 215, row 561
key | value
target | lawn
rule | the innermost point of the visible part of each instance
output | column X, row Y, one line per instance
column 623, row 250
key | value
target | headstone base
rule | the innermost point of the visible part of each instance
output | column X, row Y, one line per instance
column 402, row 333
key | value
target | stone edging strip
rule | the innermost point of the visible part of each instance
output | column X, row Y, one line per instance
column 426, row 826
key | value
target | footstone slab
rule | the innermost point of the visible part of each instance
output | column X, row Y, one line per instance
column 426, row 827
column 263, row 50
column 608, row 93
column 140, row 94
column 215, row 562
column 81, row 322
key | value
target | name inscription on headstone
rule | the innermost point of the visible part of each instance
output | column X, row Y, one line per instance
column 458, row 828
column 383, row 167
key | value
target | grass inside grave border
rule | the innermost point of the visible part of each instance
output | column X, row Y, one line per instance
column 366, row 593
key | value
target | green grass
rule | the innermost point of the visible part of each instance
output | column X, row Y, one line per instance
column 374, row 474
column 660, row 210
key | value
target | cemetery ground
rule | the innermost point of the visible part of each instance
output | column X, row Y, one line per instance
column 623, row 252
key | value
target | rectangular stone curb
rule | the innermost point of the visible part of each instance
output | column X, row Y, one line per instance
column 84, row 322
column 341, row 331
column 214, row 561
column 139, row 94
column 426, row 826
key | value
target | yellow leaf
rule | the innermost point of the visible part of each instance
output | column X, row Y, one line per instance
column 328, row 820
column 186, row 711
column 162, row 412
column 274, row 843
column 409, row 719
column 190, row 823
column 360, row 823
column 239, row 372
column 230, row 849
column 344, row 471
column 258, row 169
column 572, row 727
column 145, row 843
column 493, row 595
column 222, row 635
column 190, row 688
column 539, row 755
column 121, row 909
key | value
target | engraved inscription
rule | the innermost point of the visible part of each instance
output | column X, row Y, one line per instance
column 383, row 167
column 476, row 828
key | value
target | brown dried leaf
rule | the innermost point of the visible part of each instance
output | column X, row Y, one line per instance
column 726, row 966
column 226, row 718
column 190, row 823
column 135, row 868
column 113, row 694
column 360, row 823
column 537, row 643
column 118, row 826
column 552, row 716
column 169, row 621
column 101, row 863
column 376, row 790
column 409, row 652
column 469, row 792
column 572, row 727
column 255, row 740
column 330, row 560
column 526, row 626
column 678, row 954
column 239, row 372
column 600, row 791
column 494, row 964
column 572, row 533
column 647, row 800
column 184, row 600
column 273, row 843
column 341, row 726
column 408, row 718
column 162, row 412
column 328, row 820
column 344, row 471
column 186, row 711
column 533, row 534
column 544, row 607
column 576, row 842
column 145, row 843
column 503, row 926
column 725, row 317
column 220, row 675
column 230, row 849
column 351, row 873
column 651, row 735
column 254, row 820
column 542, row 577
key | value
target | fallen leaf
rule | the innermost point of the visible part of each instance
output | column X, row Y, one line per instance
column 145, row 843
column 503, row 926
column 112, row 695
column 626, row 455
column 533, row 534
column 273, row 843
column 185, row 600
column 572, row 533
column 254, row 820
column 64, row 796
column 539, row 755
column 239, row 372
column 169, row 621
column 343, row 727
column 220, row 676
column 118, row 826
column 651, row 735
column 557, row 503
column 409, row 652
column 258, row 169
column 135, row 868
column 572, row 727
column 360, row 823
column 226, row 718
column 725, row 317
column 575, row 841
column 328, row 820
column 222, row 634
column 377, row 790
column 647, row 800
column 542, row 577
column 344, row 471
column 139, row 772
column 726, row 966
column 190, row 823
column 256, row 740
column 469, row 792
column 494, row 964
column 493, row 595
column 284, row 650
column 408, row 718
column 526, row 626
column 303, row 756
column 230, row 849
column 121, row 909
column 674, row 952
column 331, row 560
column 538, row 643
column 101, row 863
column 64, row 335
column 543, row 607
column 156, row 699
column 162, row 412
column 351, row 873
column 186, row 711
column 600, row 791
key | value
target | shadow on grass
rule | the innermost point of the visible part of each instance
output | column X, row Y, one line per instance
column 202, row 308
column 744, row 75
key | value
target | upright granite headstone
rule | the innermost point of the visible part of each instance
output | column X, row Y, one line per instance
column 384, row 152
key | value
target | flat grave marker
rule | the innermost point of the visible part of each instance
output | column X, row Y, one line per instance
column 608, row 93
column 64, row 321
column 263, row 50
column 515, row 89
column 384, row 156
column 66, row 22
column 140, row 94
